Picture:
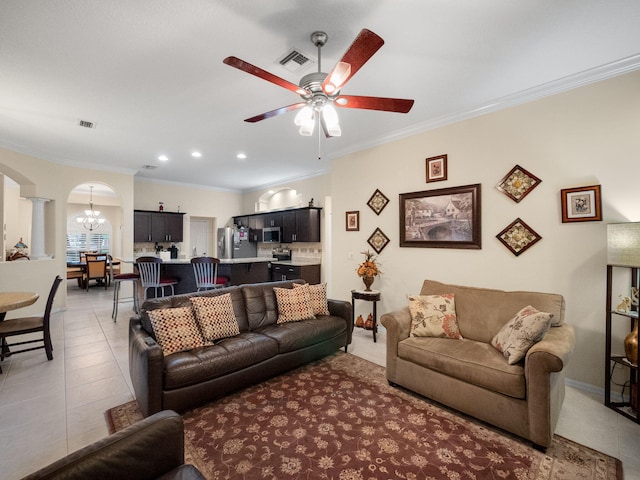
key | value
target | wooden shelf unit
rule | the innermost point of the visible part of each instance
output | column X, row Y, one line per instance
column 629, row 407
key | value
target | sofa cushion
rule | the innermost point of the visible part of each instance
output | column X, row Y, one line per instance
column 215, row 316
column 292, row 336
column 524, row 330
column 176, row 329
column 482, row 312
column 260, row 302
column 294, row 304
column 473, row 362
column 433, row 316
column 225, row 356
column 318, row 296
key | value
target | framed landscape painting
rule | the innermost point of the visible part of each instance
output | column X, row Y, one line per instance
column 443, row 218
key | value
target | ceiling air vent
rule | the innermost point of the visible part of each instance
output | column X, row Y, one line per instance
column 86, row 124
column 295, row 60
column 149, row 167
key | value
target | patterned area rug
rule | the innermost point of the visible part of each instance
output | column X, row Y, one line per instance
column 337, row 418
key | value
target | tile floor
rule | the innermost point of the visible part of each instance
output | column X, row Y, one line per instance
column 49, row 409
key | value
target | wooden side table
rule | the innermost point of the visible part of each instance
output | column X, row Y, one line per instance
column 371, row 296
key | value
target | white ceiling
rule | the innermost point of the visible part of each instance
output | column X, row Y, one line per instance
column 149, row 73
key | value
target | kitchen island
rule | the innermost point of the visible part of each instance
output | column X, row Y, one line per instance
column 237, row 270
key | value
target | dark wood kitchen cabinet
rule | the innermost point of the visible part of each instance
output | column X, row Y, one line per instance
column 309, row 273
column 157, row 226
column 298, row 224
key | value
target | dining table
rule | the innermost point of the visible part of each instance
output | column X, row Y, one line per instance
column 12, row 301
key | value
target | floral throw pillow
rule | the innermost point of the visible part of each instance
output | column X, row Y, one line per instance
column 318, row 295
column 215, row 316
column 294, row 304
column 176, row 329
column 521, row 332
column 434, row 316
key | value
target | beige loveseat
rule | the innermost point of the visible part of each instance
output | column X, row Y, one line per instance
column 471, row 376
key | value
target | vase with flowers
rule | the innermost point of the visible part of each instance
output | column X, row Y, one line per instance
column 368, row 270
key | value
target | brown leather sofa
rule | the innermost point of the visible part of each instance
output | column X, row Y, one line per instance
column 150, row 449
column 262, row 350
column 471, row 376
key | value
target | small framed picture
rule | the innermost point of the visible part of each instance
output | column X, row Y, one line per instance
column 436, row 168
column 353, row 221
column 581, row 204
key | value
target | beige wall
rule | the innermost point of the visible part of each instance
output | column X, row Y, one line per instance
column 582, row 137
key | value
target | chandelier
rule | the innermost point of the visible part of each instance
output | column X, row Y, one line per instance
column 92, row 220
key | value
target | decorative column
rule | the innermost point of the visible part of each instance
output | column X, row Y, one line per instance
column 36, row 250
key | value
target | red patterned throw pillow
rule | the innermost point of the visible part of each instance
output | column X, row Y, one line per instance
column 521, row 332
column 434, row 316
column 318, row 296
column 215, row 316
column 176, row 329
column 294, row 304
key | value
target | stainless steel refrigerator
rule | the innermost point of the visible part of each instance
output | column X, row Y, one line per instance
column 234, row 243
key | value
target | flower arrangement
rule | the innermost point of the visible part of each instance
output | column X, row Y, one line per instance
column 368, row 268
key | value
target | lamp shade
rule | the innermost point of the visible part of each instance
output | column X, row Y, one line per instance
column 623, row 244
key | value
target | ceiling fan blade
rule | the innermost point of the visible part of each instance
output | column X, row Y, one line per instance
column 260, row 73
column 277, row 111
column 399, row 105
column 361, row 50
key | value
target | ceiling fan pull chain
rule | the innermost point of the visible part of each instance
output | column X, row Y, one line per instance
column 319, row 140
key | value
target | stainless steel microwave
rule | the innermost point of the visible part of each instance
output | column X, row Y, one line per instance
column 271, row 235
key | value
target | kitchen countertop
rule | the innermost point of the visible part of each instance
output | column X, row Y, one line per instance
column 223, row 261
column 296, row 263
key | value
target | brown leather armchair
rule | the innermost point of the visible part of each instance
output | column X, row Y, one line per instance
column 150, row 449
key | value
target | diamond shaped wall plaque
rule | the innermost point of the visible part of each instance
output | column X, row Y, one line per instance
column 518, row 237
column 518, row 183
column 377, row 202
column 378, row 240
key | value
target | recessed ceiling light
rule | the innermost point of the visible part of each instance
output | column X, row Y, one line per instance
column 196, row 154
column 163, row 158
column 241, row 156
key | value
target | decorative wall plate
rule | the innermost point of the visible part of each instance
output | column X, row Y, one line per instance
column 518, row 237
column 378, row 240
column 377, row 202
column 518, row 183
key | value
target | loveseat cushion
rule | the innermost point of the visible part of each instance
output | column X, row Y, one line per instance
column 473, row 362
column 296, row 335
column 225, row 356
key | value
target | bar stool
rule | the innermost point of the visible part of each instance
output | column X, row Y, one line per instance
column 205, row 270
column 117, row 281
column 149, row 270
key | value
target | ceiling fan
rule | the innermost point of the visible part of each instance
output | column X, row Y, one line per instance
column 321, row 91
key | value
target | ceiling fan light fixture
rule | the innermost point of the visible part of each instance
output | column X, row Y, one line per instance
column 305, row 119
column 331, row 121
column 340, row 74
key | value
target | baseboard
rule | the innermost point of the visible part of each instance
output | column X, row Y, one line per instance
column 587, row 387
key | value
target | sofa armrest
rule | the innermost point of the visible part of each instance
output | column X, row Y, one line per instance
column 342, row 309
column 552, row 353
column 544, row 375
column 398, row 326
column 146, row 365
column 145, row 450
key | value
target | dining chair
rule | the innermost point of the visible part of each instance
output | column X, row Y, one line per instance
column 205, row 270
column 149, row 269
column 97, row 269
column 24, row 325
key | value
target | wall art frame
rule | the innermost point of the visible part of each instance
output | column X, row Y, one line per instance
column 581, row 204
column 518, row 237
column 518, row 183
column 352, row 220
column 442, row 218
column 378, row 201
column 378, row 240
column 436, row 168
